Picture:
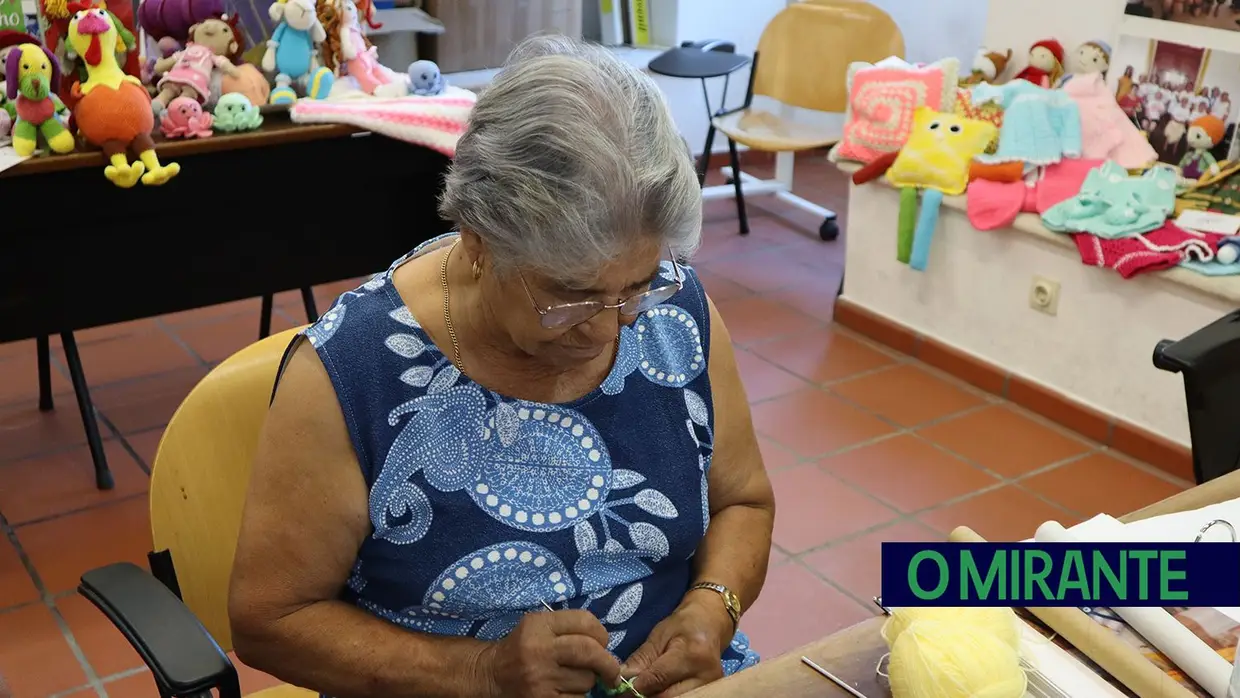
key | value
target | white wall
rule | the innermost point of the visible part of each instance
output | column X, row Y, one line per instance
column 1017, row 24
column 932, row 30
column 974, row 295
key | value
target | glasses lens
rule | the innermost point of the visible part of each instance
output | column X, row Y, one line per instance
column 570, row 314
column 643, row 302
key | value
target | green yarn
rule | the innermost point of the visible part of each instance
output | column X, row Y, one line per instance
column 626, row 686
column 907, row 223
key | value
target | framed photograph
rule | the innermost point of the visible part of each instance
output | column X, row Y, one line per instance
column 1167, row 88
column 1219, row 14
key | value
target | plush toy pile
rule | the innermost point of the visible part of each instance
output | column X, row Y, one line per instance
column 87, row 87
column 1054, row 140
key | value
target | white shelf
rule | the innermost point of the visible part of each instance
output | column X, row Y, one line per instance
column 403, row 20
column 1181, row 33
column 477, row 79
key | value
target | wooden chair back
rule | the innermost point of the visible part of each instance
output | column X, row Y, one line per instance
column 201, row 473
column 804, row 53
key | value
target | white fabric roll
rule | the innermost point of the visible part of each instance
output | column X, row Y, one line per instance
column 1181, row 646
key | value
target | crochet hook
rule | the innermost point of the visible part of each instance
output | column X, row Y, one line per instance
column 625, row 684
column 832, row 678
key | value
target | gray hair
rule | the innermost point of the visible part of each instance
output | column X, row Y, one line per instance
column 571, row 156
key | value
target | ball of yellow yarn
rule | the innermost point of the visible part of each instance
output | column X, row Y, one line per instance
column 1000, row 622
column 949, row 659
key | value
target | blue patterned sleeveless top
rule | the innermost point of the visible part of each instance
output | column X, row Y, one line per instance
column 484, row 507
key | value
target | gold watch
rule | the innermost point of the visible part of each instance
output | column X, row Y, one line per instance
column 731, row 602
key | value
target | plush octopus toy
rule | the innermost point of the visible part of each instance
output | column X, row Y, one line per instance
column 934, row 162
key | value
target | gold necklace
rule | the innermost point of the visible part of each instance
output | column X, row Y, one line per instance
column 447, row 314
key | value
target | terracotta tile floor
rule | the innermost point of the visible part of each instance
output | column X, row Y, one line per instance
column 863, row 446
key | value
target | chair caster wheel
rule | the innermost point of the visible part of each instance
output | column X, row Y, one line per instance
column 829, row 230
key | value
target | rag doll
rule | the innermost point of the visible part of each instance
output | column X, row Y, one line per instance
column 1204, row 133
column 292, row 54
column 347, row 52
column 188, row 72
column 1090, row 57
column 988, row 66
column 367, row 9
column 1044, row 65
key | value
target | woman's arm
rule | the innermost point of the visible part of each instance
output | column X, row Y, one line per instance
column 683, row 651
column 304, row 520
column 737, row 545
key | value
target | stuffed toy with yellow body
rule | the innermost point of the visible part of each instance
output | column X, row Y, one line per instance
column 31, row 76
column 934, row 162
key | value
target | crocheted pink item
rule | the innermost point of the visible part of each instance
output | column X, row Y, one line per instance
column 1106, row 132
column 881, row 104
column 432, row 122
column 993, row 205
column 1158, row 249
column 1062, row 181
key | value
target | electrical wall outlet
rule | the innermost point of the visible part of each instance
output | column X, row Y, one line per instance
column 1044, row 295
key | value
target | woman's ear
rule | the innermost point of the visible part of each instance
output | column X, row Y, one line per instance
column 474, row 248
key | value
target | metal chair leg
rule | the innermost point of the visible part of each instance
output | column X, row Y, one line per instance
column 103, row 476
column 736, row 182
column 44, row 359
column 264, row 316
column 307, row 299
column 704, row 161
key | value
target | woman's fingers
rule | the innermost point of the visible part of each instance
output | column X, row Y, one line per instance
column 575, row 622
column 671, row 668
column 583, row 652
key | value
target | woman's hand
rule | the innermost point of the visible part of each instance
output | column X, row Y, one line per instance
column 685, row 651
column 557, row 655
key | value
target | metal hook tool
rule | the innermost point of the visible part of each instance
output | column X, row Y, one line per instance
column 625, row 684
column 832, row 678
column 1217, row 522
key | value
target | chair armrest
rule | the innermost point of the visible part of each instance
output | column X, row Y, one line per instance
column 182, row 655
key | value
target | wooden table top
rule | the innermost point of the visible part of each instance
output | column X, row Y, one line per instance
column 853, row 654
column 277, row 129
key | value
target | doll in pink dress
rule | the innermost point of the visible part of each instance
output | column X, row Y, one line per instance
column 358, row 58
column 187, row 73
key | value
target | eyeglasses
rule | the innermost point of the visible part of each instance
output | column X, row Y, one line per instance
column 555, row 317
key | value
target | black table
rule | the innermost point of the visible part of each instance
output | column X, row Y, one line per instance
column 702, row 61
column 253, row 214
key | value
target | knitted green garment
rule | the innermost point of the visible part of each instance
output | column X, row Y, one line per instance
column 1223, row 196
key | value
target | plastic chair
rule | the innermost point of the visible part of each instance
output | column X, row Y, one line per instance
column 802, row 61
column 176, row 616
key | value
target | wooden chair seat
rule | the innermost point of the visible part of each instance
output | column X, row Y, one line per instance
column 767, row 132
column 284, row 691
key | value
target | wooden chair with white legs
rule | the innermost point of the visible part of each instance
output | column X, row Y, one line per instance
column 801, row 62
column 176, row 615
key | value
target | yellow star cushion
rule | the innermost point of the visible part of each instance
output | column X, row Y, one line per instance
column 938, row 152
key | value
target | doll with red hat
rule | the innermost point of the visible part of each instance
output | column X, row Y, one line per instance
column 1045, row 63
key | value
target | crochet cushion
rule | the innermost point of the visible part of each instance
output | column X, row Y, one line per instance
column 882, row 98
column 986, row 111
column 938, row 152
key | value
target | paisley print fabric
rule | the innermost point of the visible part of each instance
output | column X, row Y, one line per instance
column 484, row 507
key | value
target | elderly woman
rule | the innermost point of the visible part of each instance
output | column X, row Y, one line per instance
column 523, row 454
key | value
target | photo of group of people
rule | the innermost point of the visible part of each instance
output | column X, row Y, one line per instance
column 1184, row 97
column 1220, row 14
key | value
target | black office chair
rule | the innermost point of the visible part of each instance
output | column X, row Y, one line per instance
column 1209, row 361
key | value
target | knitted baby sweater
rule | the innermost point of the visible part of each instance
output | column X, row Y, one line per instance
column 1106, row 132
column 1040, row 126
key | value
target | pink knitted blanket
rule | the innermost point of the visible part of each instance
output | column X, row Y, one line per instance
column 432, row 122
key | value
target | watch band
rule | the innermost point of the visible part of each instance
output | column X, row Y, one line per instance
column 731, row 603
